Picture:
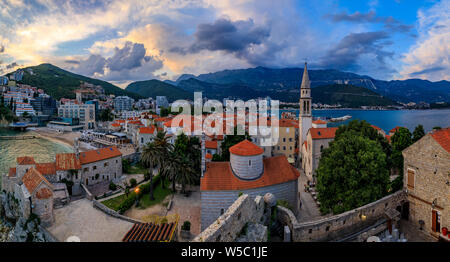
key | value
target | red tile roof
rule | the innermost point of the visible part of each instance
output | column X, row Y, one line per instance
column 323, row 132
column 395, row 129
column 388, row 137
column 46, row 168
column 211, row 144
column 115, row 124
column 377, row 128
column 219, row 176
column 442, row 136
column 147, row 130
column 44, row 193
column 67, row 161
column 209, row 156
column 246, row 148
column 12, row 172
column 149, row 232
column 25, row 160
column 99, row 154
column 319, row 122
column 32, row 179
column 285, row 123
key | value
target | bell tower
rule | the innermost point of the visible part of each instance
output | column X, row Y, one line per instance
column 305, row 115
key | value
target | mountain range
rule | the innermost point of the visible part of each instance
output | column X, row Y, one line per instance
column 281, row 84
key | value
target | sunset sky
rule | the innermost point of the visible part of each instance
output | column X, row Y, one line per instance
column 122, row 41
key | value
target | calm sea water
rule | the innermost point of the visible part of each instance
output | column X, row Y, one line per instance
column 388, row 119
column 43, row 150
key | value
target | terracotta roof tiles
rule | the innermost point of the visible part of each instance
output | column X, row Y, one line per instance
column 211, row 144
column 99, row 154
column 323, row 133
column 46, row 168
column 442, row 136
column 25, row 160
column 147, row 130
column 219, row 175
column 246, row 148
column 67, row 161
column 32, row 179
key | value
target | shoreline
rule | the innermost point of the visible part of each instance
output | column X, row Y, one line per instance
column 66, row 139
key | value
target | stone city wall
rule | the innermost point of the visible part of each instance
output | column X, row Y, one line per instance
column 113, row 213
column 229, row 225
column 339, row 226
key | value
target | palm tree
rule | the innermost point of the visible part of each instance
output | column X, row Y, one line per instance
column 151, row 158
column 186, row 174
column 165, row 150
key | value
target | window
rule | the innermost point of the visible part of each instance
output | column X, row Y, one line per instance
column 321, row 148
column 222, row 211
column 117, row 161
column 284, row 147
column 284, row 139
column 436, row 221
column 106, row 164
column 86, row 169
column 249, row 162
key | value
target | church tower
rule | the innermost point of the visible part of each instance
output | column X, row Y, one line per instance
column 305, row 116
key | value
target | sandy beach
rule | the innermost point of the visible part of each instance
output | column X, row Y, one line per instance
column 66, row 138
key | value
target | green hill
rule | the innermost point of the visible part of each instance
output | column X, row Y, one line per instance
column 61, row 83
column 153, row 88
column 348, row 96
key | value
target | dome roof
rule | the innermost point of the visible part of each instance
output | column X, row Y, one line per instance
column 246, row 148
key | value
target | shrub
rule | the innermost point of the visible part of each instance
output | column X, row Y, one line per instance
column 186, row 226
column 133, row 182
column 127, row 203
column 285, row 204
column 112, row 186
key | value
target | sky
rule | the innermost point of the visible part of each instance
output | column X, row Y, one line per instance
column 126, row 41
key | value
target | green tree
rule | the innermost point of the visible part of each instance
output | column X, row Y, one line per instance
column 352, row 172
column 418, row 133
column 164, row 112
column 106, row 115
column 151, row 159
column 229, row 141
column 400, row 140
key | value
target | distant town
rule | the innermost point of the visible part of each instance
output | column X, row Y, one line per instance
column 136, row 174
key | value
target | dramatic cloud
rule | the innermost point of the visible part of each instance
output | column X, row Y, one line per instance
column 371, row 17
column 346, row 54
column 429, row 58
column 127, row 63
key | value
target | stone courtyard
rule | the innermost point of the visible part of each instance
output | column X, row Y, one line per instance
column 89, row 224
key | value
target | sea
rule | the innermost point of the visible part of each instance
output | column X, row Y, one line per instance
column 387, row 119
column 43, row 150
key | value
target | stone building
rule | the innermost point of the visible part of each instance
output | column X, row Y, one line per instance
column 35, row 184
column 286, row 139
column 427, row 182
column 246, row 173
column 146, row 135
column 317, row 140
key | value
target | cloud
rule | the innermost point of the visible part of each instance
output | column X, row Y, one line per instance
column 12, row 65
column 371, row 17
column 346, row 54
column 132, row 55
column 236, row 37
column 71, row 61
column 428, row 70
column 129, row 62
column 429, row 57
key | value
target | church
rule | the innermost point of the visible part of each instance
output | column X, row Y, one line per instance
column 314, row 136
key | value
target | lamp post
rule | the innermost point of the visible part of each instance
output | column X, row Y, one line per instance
column 137, row 190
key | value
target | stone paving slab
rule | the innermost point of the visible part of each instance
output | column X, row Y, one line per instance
column 81, row 219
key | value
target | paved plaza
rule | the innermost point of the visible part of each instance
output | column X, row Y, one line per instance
column 81, row 219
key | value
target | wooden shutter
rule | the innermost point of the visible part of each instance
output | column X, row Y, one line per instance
column 433, row 221
column 410, row 178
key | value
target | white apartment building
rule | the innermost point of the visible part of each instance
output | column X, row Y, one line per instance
column 85, row 112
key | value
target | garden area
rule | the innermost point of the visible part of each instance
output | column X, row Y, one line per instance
column 125, row 201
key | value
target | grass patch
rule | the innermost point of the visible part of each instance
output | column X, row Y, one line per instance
column 114, row 203
column 136, row 169
column 159, row 193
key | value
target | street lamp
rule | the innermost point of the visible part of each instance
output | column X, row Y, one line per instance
column 137, row 190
